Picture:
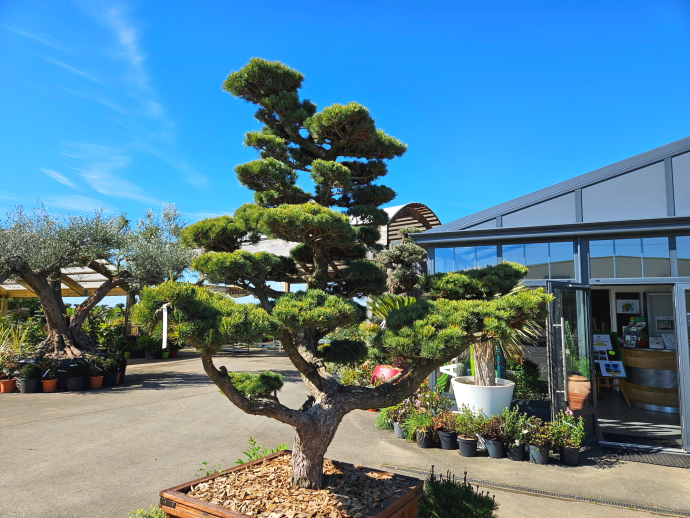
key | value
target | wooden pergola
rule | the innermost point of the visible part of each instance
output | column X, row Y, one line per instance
column 75, row 282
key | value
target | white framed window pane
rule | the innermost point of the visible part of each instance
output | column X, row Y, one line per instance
column 487, row 255
column 628, row 258
column 601, row 259
column 657, row 258
column 443, row 260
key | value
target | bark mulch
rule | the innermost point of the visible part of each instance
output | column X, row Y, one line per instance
column 264, row 490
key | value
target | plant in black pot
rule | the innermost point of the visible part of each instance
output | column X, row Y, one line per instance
column 30, row 378
column 516, row 428
column 568, row 434
column 121, row 367
column 540, row 437
column 75, row 373
column 494, row 434
column 420, row 426
column 110, row 367
column 445, row 426
column 468, row 424
column 149, row 345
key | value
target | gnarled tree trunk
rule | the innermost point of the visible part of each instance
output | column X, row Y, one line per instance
column 485, row 364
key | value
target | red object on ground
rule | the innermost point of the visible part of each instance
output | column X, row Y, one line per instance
column 384, row 371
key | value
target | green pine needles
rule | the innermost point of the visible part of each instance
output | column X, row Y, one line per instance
column 448, row 497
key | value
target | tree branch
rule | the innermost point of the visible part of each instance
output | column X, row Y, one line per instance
column 264, row 407
column 85, row 307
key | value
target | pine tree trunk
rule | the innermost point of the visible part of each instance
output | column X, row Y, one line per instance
column 311, row 443
column 485, row 364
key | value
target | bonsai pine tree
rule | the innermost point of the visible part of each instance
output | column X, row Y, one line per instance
column 334, row 225
column 403, row 263
column 36, row 246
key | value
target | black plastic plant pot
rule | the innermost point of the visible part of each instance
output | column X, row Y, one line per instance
column 495, row 449
column 27, row 386
column 570, row 456
column 468, row 447
column 399, row 431
column 75, row 384
column 516, row 452
column 110, row 379
column 449, row 440
column 538, row 454
column 425, row 439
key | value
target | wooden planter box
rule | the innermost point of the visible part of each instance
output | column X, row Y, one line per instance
column 175, row 502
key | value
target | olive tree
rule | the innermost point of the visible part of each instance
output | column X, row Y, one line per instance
column 35, row 248
column 335, row 226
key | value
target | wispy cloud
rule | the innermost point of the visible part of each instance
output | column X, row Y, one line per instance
column 75, row 203
column 196, row 216
column 73, row 70
column 46, row 40
column 59, row 177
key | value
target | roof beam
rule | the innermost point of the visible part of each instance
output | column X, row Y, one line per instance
column 4, row 292
column 22, row 283
column 73, row 285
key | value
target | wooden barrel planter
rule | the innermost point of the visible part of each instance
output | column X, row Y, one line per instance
column 652, row 382
column 176, row 502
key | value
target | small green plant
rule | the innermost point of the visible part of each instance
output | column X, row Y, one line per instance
column 383, row 420
column 49, row 368
column 446, row 497
column 446, row 421
column 540, row 433
column 256, row 451
column 95, row 365
column 205, row 470
column 515, row 425
column 110, row 365
column 153, row 512
column 420, row 421
column 493, row 429
column 30, row 371
column 77, row 369
column 255, row 386
column 469, row 422
column 568, row 430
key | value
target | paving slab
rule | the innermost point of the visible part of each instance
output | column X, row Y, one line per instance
column 104, row 453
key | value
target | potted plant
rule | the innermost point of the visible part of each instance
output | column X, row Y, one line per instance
column 96, row 372
column 531, row 394
column 50, row 371
column 483, row 389
column 8, row 364
column 75, row 373
column 540, row 439
column 110, row 368
column 149, row 345
column 493, row 433
column 516, row 428
column 468, row 424
column 420, row 426
column 568, row 433
column 445, row 426
column 30, row 378
column 122, row 368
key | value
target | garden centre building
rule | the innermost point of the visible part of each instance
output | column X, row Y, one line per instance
column 613, row 246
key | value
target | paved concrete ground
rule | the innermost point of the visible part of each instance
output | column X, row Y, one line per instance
column 103, row 453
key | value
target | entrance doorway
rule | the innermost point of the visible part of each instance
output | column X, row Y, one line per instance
column 636, row 365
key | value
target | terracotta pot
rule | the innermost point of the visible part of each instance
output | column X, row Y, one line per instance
column 384, row 371
column 8, row 385
column 49, row 385
column 579, row 389
column 173, row 354
column 96, row 382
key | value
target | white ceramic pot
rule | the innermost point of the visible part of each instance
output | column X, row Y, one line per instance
column 491, row 400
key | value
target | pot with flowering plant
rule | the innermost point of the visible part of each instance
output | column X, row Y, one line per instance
column 568, row 434
column 540, row 437
column 445, row 426
column 516, row 429
column 468, row 424
column 50, row 375
column 494, row 434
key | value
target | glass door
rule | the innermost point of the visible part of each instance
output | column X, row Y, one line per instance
column 682, row 303
column 569, row 352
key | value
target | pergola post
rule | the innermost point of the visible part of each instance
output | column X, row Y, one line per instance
column 4, row 304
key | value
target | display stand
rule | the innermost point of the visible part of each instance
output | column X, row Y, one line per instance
column 609, row 363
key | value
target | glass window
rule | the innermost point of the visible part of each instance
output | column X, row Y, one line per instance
column 465, row 257
column 628, row 253
column 487, row 255
column 443, row 260
column 537, row 260
column 630, row 258
column 562, row 259
column 514, row 253
column 683, row 248
column 656, row 257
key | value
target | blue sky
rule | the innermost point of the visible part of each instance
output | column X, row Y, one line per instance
column 119, row 104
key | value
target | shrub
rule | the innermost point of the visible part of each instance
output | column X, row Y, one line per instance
column 110, row 365
column 77, row 369
column 446, row 421
column 493, row 429
column 515, row 425
column 383, row 420
column 31, row 371
column 254, row 386
column 568, row 431
column 525, row 373
column 540, row 433
column 153, row 512
column 444, row 497
column 148, row 343
column 469, row 422
column 421, row 421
